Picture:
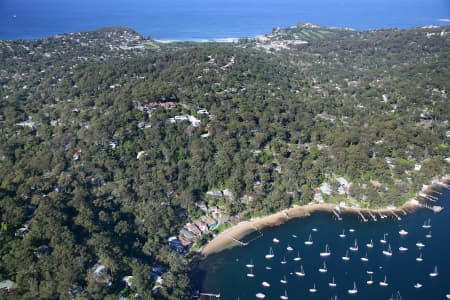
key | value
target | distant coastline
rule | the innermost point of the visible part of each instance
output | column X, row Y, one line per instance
column 227, row 238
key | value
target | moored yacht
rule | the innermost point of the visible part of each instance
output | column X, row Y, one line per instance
column 418, row 285
column 275, row 240
column 297, row 258
column 250, row 274
column 323, row 269
column 420, row 245
column 346, row 257
column 383, row 240
column 354, row 248
column 354, row 290
column 342, row 235
column 327, row 251
column 260, row 296
column 427, row 224
column 402, row 249
column 370, row 281
column 313, row 289
column 435, row 272
column 285, row 296
column 265, row 284
column 365, row 258
column 370, row 245
column 283, row 262
column 309, row 242
column 351, row 230
column 300, row 273
column 270, row 254
column 388, row 252
column 403, row 232
column 250, row 264
column 428, row 235
column 314, row 229
column 419, row 259
column 384, row 282
column 283, row 280
column 289, row 248
column 332, row 283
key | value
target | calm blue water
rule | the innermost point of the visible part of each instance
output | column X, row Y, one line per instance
column 209, row 19
column 225, row 273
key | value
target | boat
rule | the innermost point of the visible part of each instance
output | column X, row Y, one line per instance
column 250, row 264
column 283, row 262
column 420, row 245
column 297, row 258
column 351, row 230
column 418, row 285
column 294, row 236
column 323, row 269
column 384, row 282
column 275, row 240
column 354, row 290
column 383, row 241
column 332, row 283
column 427, row 224
column 346, row 258
column 268, row 268
column 435, row 272
column 313, row 289
column 354, row 248
column 300, row 273
column 289, row 248
column 428, row 235
column 283, row 280
column 370, row 281
column 365, row 258
column 314, row 229
column 326, row 253
column 370, row 245
column 309, row 242
column 265, row 284
column 342, row 235
column 270, row 255
column 260, row 296
column 419, row 259
column 388, row 252
column 285, row 296
column 403, row 232
column 251, row 275
column 447, row 296
column 369, row 272
column 402, row 249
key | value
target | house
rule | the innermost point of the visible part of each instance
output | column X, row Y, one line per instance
column 201, row 225
column 183, row 241
column 210, row 222
column 193, row 228
column 187, row 234
column 202, row 205
column 194, row 121
column 8, row 286
column 325, row 188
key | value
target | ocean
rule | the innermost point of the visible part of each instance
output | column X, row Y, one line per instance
column 225, row 273
column 211, row 19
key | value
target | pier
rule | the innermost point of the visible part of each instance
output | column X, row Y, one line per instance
column 372, row 215
column 336, row 213
column 362, row 216
column 238, row 241
column 210, row 295
column 397, row 216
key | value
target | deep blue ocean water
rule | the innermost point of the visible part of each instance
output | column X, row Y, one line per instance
column 211, row 19
column 226, row 272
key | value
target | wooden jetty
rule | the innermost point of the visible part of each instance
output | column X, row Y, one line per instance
column 397, row 216
column 362, row 216
column 336, row 213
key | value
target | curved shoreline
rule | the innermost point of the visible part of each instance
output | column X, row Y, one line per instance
column 227, row 238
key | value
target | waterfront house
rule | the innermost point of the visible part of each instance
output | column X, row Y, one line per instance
column 8, row 286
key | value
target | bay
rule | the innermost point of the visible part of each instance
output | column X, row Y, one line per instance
column 225, row 272
column 206, row 20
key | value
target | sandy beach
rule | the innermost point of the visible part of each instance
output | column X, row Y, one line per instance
column 228, row 237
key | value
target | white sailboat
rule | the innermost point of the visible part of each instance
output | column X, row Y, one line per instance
column 365, row 258
column 283, row 280
column 270, row 254
column 388, row 252
column 419, row 259
column 313, row 289
column 346, row 257
column 250, row 274
column 354, row 248
column 427, row 224
column 428, row 235
column 309, row 242
column 342, row 235
column 289, row 248
column 326, row 253
column 332, row 283
column 383, row 240
column 265, row 284
column 314, row 229
column 283, row 262
column 418, row 285
column 351, row 230
column 370, row 245
column 370, row 281
column 250, row 264
column 369, row 272
column 275, row 240
column 384, row 282
column 354, row 290
column 435, row 272
column 260, row 296
column 297, row 258
column 285, row 296
column 268, row 268
column 403, row 232
column 323, row 269
column 300, row 273
column 402, row 249
column 420, row 245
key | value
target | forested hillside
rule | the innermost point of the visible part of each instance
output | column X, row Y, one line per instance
column 109, row 143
